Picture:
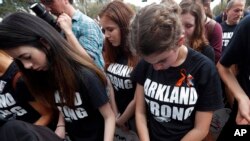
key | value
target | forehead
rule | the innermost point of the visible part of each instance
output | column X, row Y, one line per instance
column 187, row 17
column 157, row 57
column 106, row 21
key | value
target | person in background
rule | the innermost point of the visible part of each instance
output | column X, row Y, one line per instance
column 59, row 77
column 16, row 100
column 234, row 11
column 80, row 30
column 223, row 16
column 119, row 61
column 237, row 53
column 207, row 8
column 192, row 21
column 213, row 32
column 178, row 88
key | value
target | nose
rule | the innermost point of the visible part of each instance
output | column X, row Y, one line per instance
column 157, row 66
column 27, row 65
column 107, row 35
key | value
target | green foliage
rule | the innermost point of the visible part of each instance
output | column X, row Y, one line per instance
column 94, row 9
column 219, row 8
column 10, row 6
column 247, row 3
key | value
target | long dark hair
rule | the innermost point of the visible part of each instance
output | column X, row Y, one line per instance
column 64, row 63
column 121, row 14
column 198, row 39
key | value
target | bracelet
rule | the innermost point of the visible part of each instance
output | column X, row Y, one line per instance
column 60, row 126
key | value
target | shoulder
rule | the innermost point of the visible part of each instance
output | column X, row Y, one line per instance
column 198, row 58
column 218, row 18
column 217, row 27
column 82, row 18
column 245, row 21
column 87, row 73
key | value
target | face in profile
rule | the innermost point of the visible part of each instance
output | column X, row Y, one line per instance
column 111, row 31
column 56, row 7
column 31, row 57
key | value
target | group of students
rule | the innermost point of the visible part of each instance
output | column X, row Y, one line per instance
column 157, row 76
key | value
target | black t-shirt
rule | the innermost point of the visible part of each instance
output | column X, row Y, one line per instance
column 84, row 122
column 124, row 87
column 209, row 52
column 238, row 52
column 15, row 101
column 227, row 33
column 174, row 95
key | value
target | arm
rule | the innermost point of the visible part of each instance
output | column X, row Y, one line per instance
column 65, row 23
column 228, row 77
column 201, row 127
column 60, row 128
column 112, row 97
column 229, row 94
column 127, row 114
column 46, row 113
column 109, row 119
column 140, row 114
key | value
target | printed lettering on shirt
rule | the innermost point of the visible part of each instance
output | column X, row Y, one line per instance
column 2, row 85
column 169, row 102
column 226, row 38
column 120, row 70
column 120, row 83
column 120, row 76
column 72, row 114
column 8, row 107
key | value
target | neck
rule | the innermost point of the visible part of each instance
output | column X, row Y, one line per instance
column 5, row 63
column 229, row 23
column 182, row 55
column 70, row 10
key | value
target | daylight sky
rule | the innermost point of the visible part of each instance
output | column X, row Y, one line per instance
column 142, row 4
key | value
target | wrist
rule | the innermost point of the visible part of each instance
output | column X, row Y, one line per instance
column 118, row 115
column 60, row 125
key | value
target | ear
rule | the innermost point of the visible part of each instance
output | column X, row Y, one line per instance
column 44, row 43
column 181, row 40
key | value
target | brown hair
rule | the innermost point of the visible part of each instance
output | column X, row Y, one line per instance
column 198, row 39
column 156, row 28
column 121, row 14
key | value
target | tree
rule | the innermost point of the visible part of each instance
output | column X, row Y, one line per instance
column 219, row 8
column 10, row 6
column 247, row 3
column 94, row 9
column 89, row 7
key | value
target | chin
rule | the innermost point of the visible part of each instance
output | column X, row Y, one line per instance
column 115, row 45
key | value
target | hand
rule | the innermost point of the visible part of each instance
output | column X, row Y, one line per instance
column 121, row 125
column 64, row 21
column 243, row 114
